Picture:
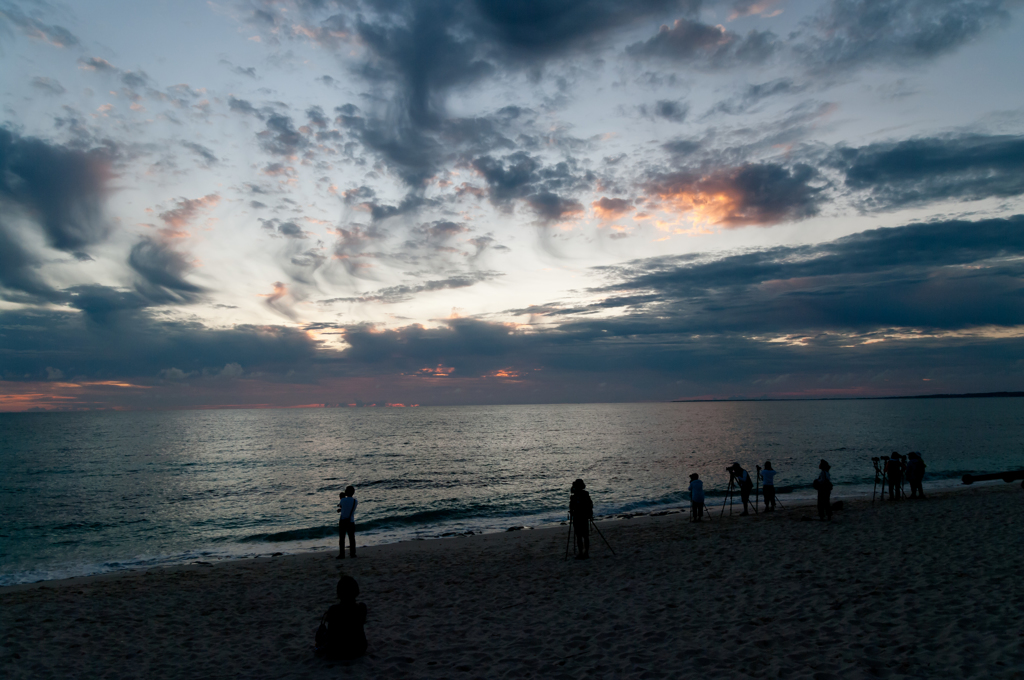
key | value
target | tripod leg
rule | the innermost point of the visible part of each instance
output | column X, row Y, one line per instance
column 568, row 540
column 602, row 536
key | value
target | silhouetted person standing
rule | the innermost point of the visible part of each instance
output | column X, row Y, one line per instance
column 341, row 634
column 768, row 475
column 915, row 474
column 745, row 484
column 347, row 522
column 823, row 483
column 894, row 473
column 696, row 490
column 581, row 510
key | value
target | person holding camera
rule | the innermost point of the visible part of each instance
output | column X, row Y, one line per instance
column 745, row 484
column 823, row 484
column 581, row 511
column 768, row 477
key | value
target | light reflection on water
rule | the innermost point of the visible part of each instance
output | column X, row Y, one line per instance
column 83, row 489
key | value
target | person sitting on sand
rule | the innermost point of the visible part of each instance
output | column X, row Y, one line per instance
column 581, row 510
column 894, row 473
column 696, row 490
column 768, row 475
column 915, row 474
column 743, row 479
column 823, row 484
column 347, row 522
column 341, row 634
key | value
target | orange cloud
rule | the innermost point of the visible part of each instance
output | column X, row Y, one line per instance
column 181, row 215
column 760, row 195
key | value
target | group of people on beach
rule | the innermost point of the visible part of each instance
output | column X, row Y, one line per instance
column 341, row 629
column 896, row 469
column 741, row 478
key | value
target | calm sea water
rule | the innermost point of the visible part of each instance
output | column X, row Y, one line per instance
column 86, row 493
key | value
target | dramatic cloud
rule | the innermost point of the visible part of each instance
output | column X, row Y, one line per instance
column 850, row 33
column 50, row 190
column 162, row 270
column 920, row 171
column 125, row 340
column 947, row 275
column 60, row 189
column 763, row 194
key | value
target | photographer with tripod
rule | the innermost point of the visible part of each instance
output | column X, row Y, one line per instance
column 742, row 479
column 581, row 511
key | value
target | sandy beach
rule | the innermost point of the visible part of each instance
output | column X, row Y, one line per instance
column 913, row 589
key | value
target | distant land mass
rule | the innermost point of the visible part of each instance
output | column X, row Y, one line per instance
column 973, row 395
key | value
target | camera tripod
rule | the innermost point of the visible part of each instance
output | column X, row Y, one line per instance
column 729, row 493
column 693, row 511
column 568, row 540
column 879, row 479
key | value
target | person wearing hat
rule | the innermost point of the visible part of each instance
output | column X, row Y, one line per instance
column 823, row 484
column 743, row 480
column 581, row 510
column 768, row 475
column 915, row 474
column 696, row 490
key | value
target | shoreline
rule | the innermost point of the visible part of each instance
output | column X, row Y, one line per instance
column 897, row 590
column 279, row 549
column 894, row 590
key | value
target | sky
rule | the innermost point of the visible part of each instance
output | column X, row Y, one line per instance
column 284, row 203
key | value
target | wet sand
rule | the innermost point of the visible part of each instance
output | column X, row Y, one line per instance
column 911, row 589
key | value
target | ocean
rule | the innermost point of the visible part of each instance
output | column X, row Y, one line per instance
column 93, row 492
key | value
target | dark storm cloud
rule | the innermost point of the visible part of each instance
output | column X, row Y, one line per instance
column 850, row 33
column 116, row 339
column 543, row 188
column 757, row 194
column 836, row 314
column 429, row 47
column 162, row 271
column 945, row 275
column 32, row 27
column 57, row 189
column 420, row 50
column 702, row 44
column 926, row 170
